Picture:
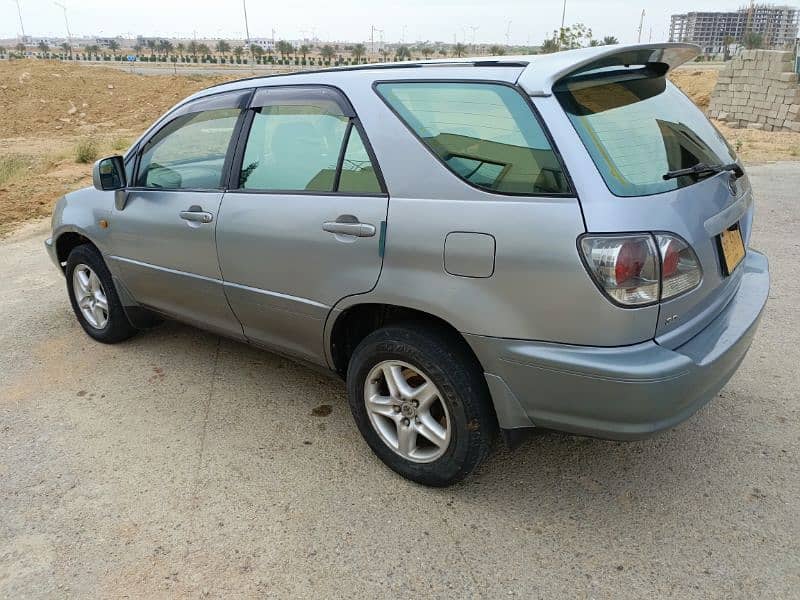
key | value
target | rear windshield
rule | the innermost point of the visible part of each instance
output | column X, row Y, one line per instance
column 637, row 130
column 485, row 133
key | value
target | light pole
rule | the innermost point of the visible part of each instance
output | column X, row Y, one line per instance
column 66, row 21
column 563, row 19
column 21, row 26
column 641, row 26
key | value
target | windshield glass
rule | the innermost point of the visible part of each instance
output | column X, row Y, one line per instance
column 637, row 130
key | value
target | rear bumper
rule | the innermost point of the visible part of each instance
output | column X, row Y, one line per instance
column 627, row 392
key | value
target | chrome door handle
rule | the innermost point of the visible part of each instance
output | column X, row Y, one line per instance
column 349, row 225
column 196, row 214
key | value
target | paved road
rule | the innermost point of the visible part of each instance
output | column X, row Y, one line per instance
column 185, row 465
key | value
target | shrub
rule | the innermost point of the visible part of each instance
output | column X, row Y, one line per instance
column 11, row 166
column 85, row 151
column 120, row 143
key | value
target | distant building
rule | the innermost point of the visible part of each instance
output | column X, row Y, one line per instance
column 777, row 25
column 266, row 44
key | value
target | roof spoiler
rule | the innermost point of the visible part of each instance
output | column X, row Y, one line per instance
column 544, row 71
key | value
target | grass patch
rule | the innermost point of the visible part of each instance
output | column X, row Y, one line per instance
column 11, row 166
column 120, row 143
column 85, row 151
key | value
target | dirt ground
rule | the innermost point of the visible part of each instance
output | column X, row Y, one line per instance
column 51, row 110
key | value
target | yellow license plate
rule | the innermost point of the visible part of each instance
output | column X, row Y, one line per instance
column 730, row 241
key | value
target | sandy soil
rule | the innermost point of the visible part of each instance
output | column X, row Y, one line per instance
column 49, row 108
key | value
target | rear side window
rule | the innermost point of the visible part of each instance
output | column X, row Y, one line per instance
column 306, row 143
column 485, row 133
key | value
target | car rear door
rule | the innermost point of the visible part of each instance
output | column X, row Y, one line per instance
column 303, row 223
column 163, row 242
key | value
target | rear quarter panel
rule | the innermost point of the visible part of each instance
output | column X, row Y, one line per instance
column 539, row 289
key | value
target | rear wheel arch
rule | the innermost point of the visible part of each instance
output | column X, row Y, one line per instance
column 358, row 321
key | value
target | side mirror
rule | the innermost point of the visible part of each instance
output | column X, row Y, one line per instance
column 108, row 174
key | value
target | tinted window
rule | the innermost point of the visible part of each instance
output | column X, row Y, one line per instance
column 358, row 173
column 485, row 133
column 637, row 130
column 189, row 152
column 294, row 147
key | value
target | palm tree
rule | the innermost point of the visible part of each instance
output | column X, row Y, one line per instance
column 204, row 50
column 284, row 48
column 304, row 50
column 327, row 52
column 43, row 47
column 459, row 50
column 237, row 52
column 193, row 48
column 67, row 48
column 402, row 53
column 496, row 51
column 610, row 40
column 113, row 45
column 180, row 48
column 223, row 47
column 165, row 47
column 385, row 54
column 358, row 51
column 151, row 45
column 92, row 50
column 594, row 43
column 137, row 48
column 21, row 48
column 442, row 51
column 256, row 50
column 426, row 51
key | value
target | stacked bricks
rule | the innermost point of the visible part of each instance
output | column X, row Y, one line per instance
column 758, row 89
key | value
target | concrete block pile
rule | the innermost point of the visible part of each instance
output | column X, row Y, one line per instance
column 758, row 89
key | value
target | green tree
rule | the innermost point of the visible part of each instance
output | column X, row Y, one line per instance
column 113, row 45
column 193, row 48
column 284, row 48
column 67, row 48
column 304, row 50
column 442, row 51
column 237, row 52
column 753, row 40
column 549, row 46
column 426, row 51
column 204, row 50
column 384, row 52
column 137, row 48
column 327, row 52
column 459, row 50
column 610, row 40
column 573, row 37
column 403, row 53
column 594, row 43
column 21, row 48
column 726, row 47
column 223, row 47
column 180, row 48
column 43, row 47
column 496, row 51
column 151, row 45
column 92, row 50
column 165, row 47
column 256, row 50
column 358, row 52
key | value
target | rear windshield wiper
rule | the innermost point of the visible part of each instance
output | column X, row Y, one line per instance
column 703, row 169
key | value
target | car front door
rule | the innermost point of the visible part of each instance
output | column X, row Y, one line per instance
column 163, row 244
column 302, row 226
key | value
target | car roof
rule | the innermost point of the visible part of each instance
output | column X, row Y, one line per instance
column 534, row 73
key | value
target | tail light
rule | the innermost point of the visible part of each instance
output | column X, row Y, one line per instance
column 680, row 269
column 640, row 269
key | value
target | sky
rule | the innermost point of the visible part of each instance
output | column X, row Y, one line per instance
column 527, row 22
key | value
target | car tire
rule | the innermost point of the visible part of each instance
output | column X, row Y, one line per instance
column 420, row 354
column 94, row 298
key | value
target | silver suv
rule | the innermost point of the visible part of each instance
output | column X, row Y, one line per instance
column 477, row 247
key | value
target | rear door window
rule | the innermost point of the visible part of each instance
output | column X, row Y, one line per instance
column 485, row 133
column 306, row 142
